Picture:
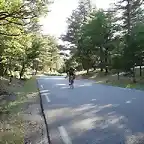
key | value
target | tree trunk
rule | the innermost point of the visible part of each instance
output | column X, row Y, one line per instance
column 134, row 79
column 101, row 65
column 101, row 70
column 11, row 78
column 10, row 66
column 118, row 76
column 101, row 58
column 106, row 61
column 5, row 71
column 140, row 66
column 140, row 70
column 94, row 68
column 106, row 70
column 36, row 70
column 1, row 68
column 22, row 71
column 87, row 70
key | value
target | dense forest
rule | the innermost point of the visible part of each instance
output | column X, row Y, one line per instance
column 111, row 40
column 23, row 48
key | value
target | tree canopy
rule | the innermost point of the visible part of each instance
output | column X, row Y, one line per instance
column 22, row 45
column 107, row 39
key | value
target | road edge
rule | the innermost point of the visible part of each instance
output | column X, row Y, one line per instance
column 43, row 114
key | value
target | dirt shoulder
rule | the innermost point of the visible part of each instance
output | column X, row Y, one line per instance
column 20, row 113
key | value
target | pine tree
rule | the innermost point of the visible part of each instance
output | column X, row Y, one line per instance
column 75, row 22
column 131, row 13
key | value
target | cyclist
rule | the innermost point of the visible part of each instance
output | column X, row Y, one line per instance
column 71, row 72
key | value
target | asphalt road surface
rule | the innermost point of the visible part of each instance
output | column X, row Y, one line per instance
column 92, row 113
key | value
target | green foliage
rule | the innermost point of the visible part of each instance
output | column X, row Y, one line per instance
column 49, row 54
column 112, row 39
column 22, row 46
column 76, row 21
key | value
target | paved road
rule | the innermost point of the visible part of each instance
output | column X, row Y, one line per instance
column 92, row 113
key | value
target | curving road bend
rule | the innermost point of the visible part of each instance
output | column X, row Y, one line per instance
column 92, row 113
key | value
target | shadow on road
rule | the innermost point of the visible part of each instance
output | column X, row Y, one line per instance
column 102, row 115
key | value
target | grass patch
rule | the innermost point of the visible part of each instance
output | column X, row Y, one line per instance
column 126, row 84
column 112, row 79
column 12, row 129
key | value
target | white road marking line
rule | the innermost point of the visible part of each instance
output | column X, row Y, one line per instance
column 43, row 141
column 42, row 86
column 44, row 91
column 93, row 100
column 128, row 102
column 47, row 98
column 64, row 135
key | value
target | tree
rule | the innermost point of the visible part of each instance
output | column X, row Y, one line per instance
column 131, row 14
column 137, row 44
column 22, row 44
column 19, row 14
column 95, row 42
column 49, row 53
column 75, row 23
column 111, row 39
column 117, row 62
